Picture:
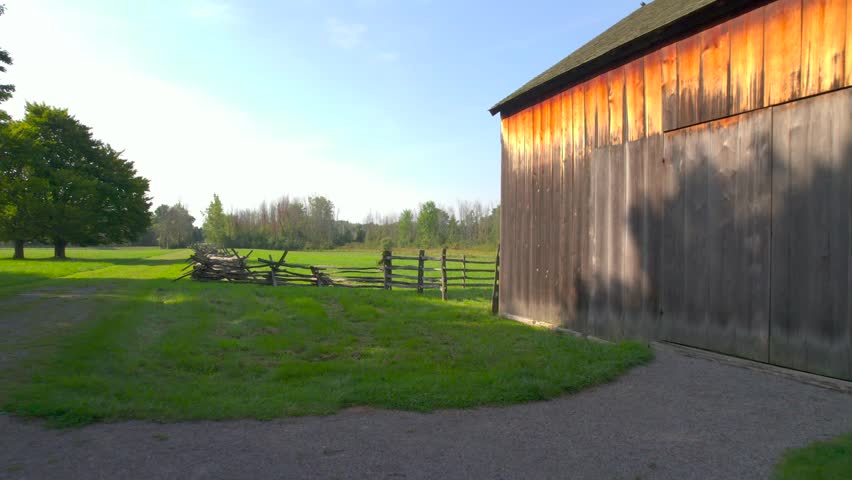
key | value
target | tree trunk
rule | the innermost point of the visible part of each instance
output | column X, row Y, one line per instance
column 19, row 250
column 59, row 249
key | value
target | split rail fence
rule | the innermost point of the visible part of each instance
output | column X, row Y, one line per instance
column 421, row 272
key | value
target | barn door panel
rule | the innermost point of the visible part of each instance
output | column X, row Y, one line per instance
column 811, row 248
column 716, row 235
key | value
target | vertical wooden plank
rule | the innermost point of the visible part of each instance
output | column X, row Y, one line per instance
column 600, row 165
column 652, row 174
column 714, row 89
column 754, row 196
column 838, row 360
column 669, row 88
column 566, row 268
column 544, row 221
column 747, row 61
column 689, row 79
column 634, row 93
column 653, row 88
column 615, row 105
column 783, row 51
column 672, row 286
column 720, row 149
column 696, row 233
column 823, row 45
column 557, row 247
column 597, row 112
column 615, row 203
column 580, row 208
column 512, row 246
column 504, row 180
column 784, row 348
column 535, row 223
column 819, row 323
column 508, row 236
column 506, row 210
column 634, row 240
column 526, row 225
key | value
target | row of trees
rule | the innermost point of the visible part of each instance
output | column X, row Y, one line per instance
column 283, row 224
column 311, row 223
column 58, row 184
column 469, row 224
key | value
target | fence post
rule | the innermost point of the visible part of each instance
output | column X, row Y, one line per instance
column 273, row 269
column 387, row 266
column 495, row 294
column 317, row 276
column 420, row 272
column 464, row 271
column 444, row 274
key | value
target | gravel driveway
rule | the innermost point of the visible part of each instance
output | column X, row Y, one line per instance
column 677, row 418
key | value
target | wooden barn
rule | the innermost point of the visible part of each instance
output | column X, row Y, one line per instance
column 687, row 176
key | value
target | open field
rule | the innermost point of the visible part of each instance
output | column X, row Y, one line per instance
column 123, row 341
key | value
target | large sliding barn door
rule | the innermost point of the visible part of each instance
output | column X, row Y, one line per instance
column 812, row 221
column 716, row 228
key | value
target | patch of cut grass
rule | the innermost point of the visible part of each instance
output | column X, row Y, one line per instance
column 829, row 460
column 168, row 351
column 39, row 264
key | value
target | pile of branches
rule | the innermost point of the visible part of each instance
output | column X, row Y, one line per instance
column 211, row 264
column 214, row 264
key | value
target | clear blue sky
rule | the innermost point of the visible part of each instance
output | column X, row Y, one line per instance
column 255, row 99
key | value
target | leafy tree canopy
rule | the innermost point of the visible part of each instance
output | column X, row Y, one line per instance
column 67, row 186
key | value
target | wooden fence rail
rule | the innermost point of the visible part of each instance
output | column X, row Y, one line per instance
column 426, row 272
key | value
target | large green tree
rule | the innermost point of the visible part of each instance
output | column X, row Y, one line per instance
column 215, row 223
column 87, row 193
column 22, row 190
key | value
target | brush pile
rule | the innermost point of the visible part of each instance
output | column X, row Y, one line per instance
column 214, row 264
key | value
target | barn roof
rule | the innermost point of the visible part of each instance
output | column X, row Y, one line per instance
column 652, row 25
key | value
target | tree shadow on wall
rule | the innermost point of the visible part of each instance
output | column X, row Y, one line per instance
column 725, row 222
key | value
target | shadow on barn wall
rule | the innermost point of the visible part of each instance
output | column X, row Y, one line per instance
column 748, row 250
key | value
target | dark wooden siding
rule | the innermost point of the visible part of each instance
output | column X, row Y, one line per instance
column 681, row 196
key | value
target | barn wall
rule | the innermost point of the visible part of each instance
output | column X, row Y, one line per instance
column 699, row 194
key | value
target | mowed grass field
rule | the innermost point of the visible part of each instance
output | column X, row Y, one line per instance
column 108, row 336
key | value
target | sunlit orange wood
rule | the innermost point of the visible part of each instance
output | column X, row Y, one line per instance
column 536, row 148
column 567, row 115
column 597, row 112
column 615, row 88
column 688, row 79
column 668, row 59
column 823, row 45
column 747, row 61
column 715, row 61
column 546, row 135
column 578, row 120
column 634, row 91
column 782, row 51
column 653, row 93
column 848, row 63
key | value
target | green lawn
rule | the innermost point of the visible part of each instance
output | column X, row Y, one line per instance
column 39, row 264
column 831, row 460
column 149, row 348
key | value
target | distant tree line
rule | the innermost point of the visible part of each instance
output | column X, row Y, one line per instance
column 287, row 223
column 469, row 224
column 292, row 223
column 60, row 185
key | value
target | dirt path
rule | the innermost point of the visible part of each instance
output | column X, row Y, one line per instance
column 677, row 418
